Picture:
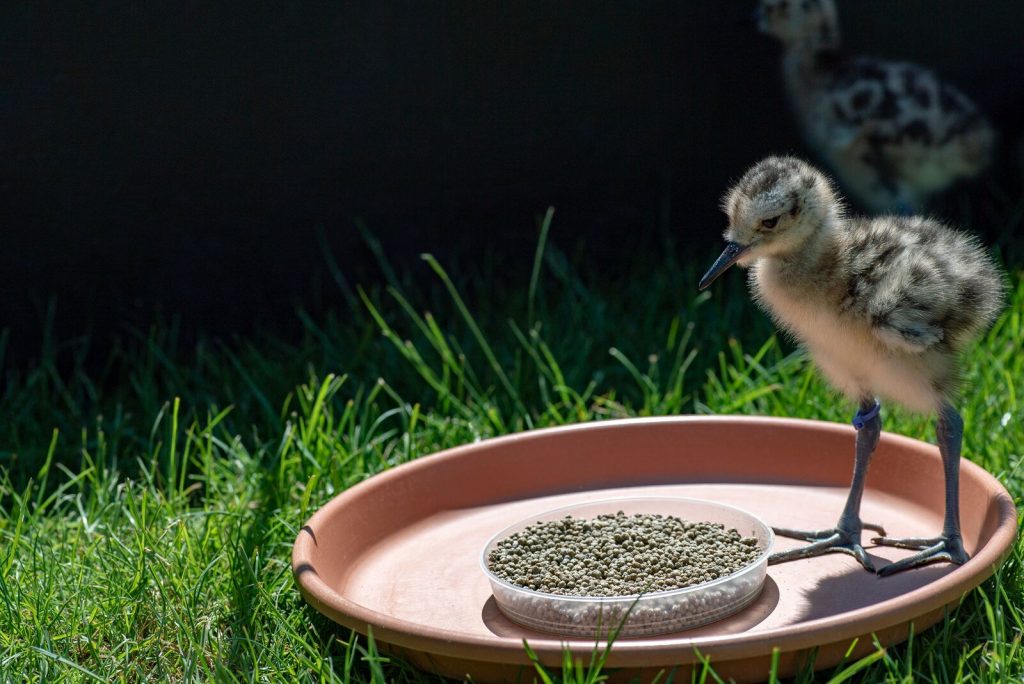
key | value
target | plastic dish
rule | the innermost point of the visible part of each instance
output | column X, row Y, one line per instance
column 645, row 614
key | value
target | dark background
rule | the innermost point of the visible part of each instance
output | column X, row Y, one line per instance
column 180, row 159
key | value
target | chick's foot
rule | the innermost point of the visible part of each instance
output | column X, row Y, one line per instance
column 835, row 540
column 941, row 549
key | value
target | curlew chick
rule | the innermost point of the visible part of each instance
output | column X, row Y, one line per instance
column 883, row 305
column 891, row 131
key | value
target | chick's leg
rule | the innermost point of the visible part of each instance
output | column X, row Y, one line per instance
column 845, row 536
column 948, row 546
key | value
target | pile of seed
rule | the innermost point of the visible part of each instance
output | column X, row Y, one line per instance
column 619, row 555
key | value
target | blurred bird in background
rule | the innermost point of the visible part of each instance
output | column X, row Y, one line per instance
column 892, row 132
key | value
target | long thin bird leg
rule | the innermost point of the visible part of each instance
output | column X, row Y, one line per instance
column 949, row 546
column 845, row 536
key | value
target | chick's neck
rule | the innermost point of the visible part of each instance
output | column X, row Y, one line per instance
column 811, row 57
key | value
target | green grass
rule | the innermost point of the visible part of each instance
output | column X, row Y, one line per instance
column 150, row 493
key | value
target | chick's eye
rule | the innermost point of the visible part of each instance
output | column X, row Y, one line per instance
column 769, row 223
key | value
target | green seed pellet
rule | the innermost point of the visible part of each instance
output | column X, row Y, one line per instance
column 619, row 555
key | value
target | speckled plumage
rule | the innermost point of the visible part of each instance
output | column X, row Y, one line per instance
column 892, row 131
column 882, row 304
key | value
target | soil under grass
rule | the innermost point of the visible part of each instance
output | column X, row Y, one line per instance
column 147, row 508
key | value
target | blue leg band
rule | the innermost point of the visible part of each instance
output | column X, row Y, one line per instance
column 861, row 419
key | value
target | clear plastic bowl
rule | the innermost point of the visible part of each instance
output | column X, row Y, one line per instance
column 645, row 614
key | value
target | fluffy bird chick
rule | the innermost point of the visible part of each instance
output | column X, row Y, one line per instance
column 892, row 132
column 884, row 306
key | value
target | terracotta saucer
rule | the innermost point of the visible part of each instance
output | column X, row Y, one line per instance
column 399, row 552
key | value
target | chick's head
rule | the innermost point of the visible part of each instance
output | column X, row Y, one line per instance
column 799, row 21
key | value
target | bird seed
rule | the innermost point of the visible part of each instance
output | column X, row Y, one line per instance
column 619, row 555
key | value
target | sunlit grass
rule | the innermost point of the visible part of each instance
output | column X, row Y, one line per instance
column 149, row 494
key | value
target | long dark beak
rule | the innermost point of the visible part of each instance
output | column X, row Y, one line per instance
column 733, row 251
